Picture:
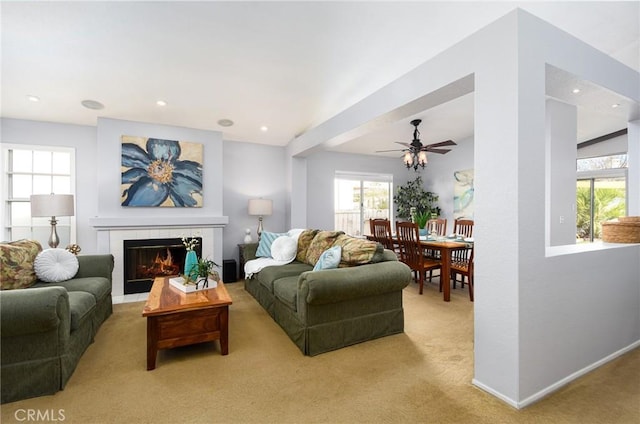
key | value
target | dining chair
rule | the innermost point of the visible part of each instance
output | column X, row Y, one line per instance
column 439, row 225
column 381, row 232
column 412, row 252
column 464, row 228
column 464, row 268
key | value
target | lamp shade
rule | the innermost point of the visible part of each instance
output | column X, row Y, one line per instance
column 52, row 205
column 260, row 207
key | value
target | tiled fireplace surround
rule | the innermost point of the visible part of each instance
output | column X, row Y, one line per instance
column 113, row 231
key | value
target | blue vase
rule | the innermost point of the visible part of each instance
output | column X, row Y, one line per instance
column 423, row 231
column 190, row 261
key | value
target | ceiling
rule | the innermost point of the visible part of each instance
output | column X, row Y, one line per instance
column 287, row 66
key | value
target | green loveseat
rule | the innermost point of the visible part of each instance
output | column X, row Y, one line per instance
column 329, row 309
column 46, row 328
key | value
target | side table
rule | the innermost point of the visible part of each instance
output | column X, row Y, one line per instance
column 245, row 250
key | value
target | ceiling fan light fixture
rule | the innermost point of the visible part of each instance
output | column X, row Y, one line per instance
column 408, row 159
column 422, row 158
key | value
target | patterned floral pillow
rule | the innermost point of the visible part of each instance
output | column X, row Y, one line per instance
column 304, row 240
column 16, row 264
column 321, row 242
column 357, row 251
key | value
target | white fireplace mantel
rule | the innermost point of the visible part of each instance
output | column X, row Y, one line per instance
column 112, row 231
column 130, row 223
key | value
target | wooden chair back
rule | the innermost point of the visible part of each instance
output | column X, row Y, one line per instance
column 439, row 225
column 408, row 237
column 463, row 227
column 381, row 232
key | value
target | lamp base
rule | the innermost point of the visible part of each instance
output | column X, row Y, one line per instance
column 54, row 240
column 259, row 231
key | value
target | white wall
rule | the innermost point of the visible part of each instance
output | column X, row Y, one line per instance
column 609, row 147
column 108, row 167
column 83, row 140
column 252, row 171
column 438, row 175
column 321, row 169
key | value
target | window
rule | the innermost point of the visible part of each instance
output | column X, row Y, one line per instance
column 35, row 170
column 601, row 194
column 360, row 198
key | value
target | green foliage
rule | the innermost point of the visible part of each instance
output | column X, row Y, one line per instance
column 413, row 195
column 202, row 268
column 608, row 204
column 421, row 218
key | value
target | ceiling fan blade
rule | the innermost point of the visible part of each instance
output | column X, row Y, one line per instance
column 442, row 144
column 403, row 144
column 441, row 151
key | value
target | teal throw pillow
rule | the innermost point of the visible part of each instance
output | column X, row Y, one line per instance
column 266, row 240
column 329, row 259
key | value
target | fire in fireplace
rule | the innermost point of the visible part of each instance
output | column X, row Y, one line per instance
column 144, row 260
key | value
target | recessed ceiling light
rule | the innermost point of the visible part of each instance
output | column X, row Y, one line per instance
column 33, row 98
column 225, row 122
column 264, row 128
column 576, row 90
column 615, row 105
column 92, row 104
column 161, row 103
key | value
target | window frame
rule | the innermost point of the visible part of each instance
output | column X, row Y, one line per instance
column 7, row 189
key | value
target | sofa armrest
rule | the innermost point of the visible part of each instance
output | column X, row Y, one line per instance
column 95, row 266
column 34, row 311
column 337, row 285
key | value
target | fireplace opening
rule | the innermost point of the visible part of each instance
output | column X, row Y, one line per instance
column 144, row 260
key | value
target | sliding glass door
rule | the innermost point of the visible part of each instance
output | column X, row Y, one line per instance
column 360, row 198
column 598, row 199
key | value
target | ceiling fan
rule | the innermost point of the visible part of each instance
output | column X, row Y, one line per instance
column 416, row 152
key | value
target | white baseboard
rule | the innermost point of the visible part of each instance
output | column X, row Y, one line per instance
column 552, row 388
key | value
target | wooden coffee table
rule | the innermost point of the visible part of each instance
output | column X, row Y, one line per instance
column 175, row 318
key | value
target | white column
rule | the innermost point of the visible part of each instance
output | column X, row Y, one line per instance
column 561, row 153
column 633, row 156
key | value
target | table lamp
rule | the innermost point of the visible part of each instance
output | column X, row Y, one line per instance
column 260, row 208
column 52, row 205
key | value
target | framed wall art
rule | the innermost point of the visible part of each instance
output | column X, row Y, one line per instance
column 463, row 194
column 161, row 173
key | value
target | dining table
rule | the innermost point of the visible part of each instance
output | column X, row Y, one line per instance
column 445, row 247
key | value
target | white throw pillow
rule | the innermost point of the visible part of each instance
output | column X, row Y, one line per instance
column 55, row 265
column 284, row 249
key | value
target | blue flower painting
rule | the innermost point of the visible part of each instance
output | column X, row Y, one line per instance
column 157, row 172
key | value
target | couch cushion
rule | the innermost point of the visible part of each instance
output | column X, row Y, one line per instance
column 16, row 264
column 329, row 259
column 321, row 242
column 53, row 265
column 286, row 290
column 357, row 251
column 284, row 249
column 304, row 240
column 81, row 304
column 99, row 287
column 268, row 275
column 266, row 240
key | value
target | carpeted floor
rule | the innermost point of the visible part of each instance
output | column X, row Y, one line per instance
column 421, row 376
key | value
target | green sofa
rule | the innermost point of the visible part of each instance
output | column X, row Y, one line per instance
column 46, row 328
column 329, row 309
